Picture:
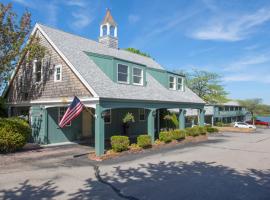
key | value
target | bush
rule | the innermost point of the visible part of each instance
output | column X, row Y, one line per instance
column 211, row 130
column 165, row 136
column 192, row 132
column 119, row 143
column 178, row 134
column 196, row 131
column 14, row 133
column 202, row 130
column 144, row 141
column 219, row 124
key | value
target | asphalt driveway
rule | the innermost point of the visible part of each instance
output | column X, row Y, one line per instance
column 228, row 166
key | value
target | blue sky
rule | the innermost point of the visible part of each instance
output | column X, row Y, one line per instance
column 229, row 37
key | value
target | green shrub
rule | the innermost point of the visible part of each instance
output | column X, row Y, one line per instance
column 219, row 124
column 14, row 133
column 119, row 143
column 211, row 130
column 202, row 130
column 178, row 134
column 192, row 132
column 144, row 141
column 165, row 136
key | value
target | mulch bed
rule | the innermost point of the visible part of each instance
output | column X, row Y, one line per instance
column 111, row 154
column 236, row 130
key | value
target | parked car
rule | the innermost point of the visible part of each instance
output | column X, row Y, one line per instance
column 258, row 122
column 243, row 125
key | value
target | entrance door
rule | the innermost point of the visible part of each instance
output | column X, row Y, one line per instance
column 87, row 123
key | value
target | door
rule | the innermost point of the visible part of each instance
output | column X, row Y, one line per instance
column 87, row 123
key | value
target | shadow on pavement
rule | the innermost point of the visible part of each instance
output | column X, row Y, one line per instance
column 27, row 191
column 165, row 180
column 173, row 180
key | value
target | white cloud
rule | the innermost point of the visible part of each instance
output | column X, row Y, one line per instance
column 244, row 77
column 247, row 62
column 26, row 3
column 133, row 18
column 78, row 3
column 230, row 28
column 52, row 13
column 163, row 27
column 81, row 20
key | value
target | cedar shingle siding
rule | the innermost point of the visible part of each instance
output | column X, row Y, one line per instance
column 24, row 88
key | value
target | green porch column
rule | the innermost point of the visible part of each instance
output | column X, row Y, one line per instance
column 201, row 117
column 99, row 131
column 181, row 118
column 151, row 124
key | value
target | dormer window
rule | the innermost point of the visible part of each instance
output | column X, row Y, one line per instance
column 180, row 83
column 172, row 83
column 122, row 73
column 137, row 74
column 37, row 66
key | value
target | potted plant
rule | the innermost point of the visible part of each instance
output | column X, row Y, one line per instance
column 128, row 118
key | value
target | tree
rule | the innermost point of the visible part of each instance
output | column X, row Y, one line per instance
column 14, row 33
column 207, row 85
column 137, row 51
column 255, row 107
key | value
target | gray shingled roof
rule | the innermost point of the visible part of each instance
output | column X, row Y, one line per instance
column 73, row 47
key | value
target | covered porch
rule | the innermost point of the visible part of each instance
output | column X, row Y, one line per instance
column 151, row 125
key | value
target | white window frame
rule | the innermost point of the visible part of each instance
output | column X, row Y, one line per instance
column 137, row 76
column 182, row 83
column 55, row 73
column 59, row 117
column 174, row 78
column 35, row 71
column 110, row 111
column 143, row 113
column 123, row 73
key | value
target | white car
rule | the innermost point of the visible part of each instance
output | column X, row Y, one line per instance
column 243, row 125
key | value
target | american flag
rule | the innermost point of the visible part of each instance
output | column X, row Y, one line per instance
column 75, row 108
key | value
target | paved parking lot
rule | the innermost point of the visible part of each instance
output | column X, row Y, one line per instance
column 228, row 166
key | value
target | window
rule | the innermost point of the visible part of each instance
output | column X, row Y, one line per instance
column 180, row 84
column 38, row 71
column 172, row 82
column 58, row 73
column 104, row 30
column 107, row 116
column 112, row 28
column 142, row 114
column 122, row 73
column 137, row 76
column 61, row 113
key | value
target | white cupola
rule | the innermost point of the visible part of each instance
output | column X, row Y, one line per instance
column 108, row 31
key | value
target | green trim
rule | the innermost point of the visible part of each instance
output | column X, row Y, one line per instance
column 128, row 103
column 99, row 131
column 181, row 119
column 151, row 124
column 111, row 57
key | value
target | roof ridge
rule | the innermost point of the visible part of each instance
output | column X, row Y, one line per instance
column 96, row 42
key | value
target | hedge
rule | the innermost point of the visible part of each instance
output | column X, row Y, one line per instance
column 211, row 130
column 14, row 133
column 168, row 136
column 119, row 143
column 196, row 131
column 178, row 134
column 144, row 141
column 165, row 136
